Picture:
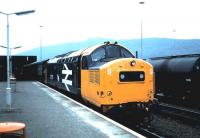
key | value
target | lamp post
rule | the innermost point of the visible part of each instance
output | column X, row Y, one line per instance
column 141, row 31
column 8, row 89
column 41, row 42
column 11, row 71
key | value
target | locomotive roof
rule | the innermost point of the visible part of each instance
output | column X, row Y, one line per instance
column 74, row 54
column 86, row 51
column 54, row 60
column 83, row 52
column 91, row 49
column 65, row 54
column 36, row 62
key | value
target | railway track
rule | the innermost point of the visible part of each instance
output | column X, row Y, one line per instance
column 185, row 114
column 149, row 133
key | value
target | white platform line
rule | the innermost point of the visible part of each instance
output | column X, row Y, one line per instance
column 98, row 114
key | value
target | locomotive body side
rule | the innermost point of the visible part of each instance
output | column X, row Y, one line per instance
column 64, row 72
column 70, row 75
column 52, row 72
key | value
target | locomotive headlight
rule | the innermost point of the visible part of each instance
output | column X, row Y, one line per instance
column 133, row 63
column 122, row 76
column 141, row 76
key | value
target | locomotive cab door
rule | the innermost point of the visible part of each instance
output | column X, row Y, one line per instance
column 77, row 72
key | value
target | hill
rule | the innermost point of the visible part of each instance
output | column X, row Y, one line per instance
column 152, row 47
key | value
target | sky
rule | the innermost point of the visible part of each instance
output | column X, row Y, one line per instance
column 62, row 21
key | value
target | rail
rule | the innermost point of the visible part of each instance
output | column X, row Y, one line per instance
column 150, row 134
column 187, row 115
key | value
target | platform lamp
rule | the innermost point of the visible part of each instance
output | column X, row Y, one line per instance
column 41, row 26
column 11, row 71
column 11, row 56
column 8, row 89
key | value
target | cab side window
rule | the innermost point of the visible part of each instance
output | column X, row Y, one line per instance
column 126, row 54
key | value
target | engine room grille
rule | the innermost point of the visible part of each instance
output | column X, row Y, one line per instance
column 94, row 76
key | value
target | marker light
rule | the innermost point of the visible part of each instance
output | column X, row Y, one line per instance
column 141, row 76
column 122, row 76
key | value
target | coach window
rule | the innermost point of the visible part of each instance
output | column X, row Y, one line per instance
column 75, row 59
column 67, row 60
column 59, row 60
column 62, row 60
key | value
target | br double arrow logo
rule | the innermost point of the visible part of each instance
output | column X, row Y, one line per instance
column 67, row 72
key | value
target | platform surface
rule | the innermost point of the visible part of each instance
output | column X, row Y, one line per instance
column 48, row 114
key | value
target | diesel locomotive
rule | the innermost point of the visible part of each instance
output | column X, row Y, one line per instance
column 106, row 75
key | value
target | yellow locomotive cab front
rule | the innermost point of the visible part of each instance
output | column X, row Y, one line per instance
column 129, row 83
column 119, row 82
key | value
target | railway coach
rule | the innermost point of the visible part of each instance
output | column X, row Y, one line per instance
column 177, row 77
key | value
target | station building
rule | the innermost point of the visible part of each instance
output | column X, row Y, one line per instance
column 17, row 63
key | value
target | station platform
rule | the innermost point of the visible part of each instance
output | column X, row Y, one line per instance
column 49, row 114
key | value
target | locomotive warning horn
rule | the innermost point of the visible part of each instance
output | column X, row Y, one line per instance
column 107, row 43
column 115, row 43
